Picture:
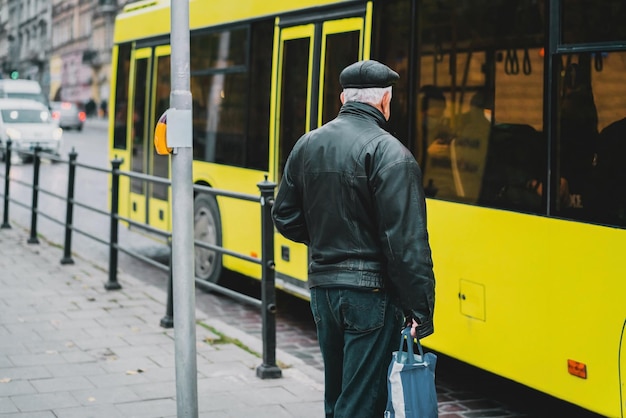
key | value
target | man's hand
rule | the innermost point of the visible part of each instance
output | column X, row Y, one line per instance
column 414, row 325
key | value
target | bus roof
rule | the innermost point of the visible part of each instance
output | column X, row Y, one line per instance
column 151, row 18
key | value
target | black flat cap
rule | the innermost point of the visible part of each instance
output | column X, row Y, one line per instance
column 366, row 74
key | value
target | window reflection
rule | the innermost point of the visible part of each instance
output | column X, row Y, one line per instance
column 161, row 99
column 138, row 139
column 341, row 51
column 591, row 146
column 231, row 98
column 219, row 50
column 219, row 118
column 293, row 104
column 593, row 21
column 480, row 104
column 121, row 97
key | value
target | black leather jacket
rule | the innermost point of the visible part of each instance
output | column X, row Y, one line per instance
column 353, row 193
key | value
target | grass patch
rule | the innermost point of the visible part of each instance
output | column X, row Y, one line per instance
column 224, row 339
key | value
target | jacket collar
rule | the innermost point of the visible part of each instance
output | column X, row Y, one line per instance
column 363, row 110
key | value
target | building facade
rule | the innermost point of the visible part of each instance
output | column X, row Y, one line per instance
column 63, row 44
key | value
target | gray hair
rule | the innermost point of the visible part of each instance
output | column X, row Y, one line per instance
column 371, row 95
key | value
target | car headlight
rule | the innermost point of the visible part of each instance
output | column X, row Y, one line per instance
column 57, row 134
column 13, row 134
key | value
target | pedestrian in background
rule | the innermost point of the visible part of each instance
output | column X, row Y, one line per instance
column 353, row 194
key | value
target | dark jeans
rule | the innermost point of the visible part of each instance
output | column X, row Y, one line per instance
column 357, row 329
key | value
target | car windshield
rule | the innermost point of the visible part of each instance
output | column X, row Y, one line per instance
column 38, row 97
column 25, row 116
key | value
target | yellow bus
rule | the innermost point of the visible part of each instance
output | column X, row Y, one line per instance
column 514, row 110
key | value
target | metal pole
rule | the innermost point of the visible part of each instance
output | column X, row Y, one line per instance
column 179, row 119
column 7, row 182
column 69, row 211
column 113, row 284
column 33, row 214
column 269, row 369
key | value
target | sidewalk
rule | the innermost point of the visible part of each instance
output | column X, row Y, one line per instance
column 71, row 349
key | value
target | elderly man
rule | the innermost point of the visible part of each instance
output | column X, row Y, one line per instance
column 353, row 194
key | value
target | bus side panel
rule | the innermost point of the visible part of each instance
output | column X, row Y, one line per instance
column 521, row 295
column 241, row 220
column 622, row 369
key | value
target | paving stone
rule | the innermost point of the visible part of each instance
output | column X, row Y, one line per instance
column 104, row 396
column 7, row 406
column 98, row 411
column 41, row 414
column 61, row 384
column 119, row 378
column 111, row 342
column 154, row 390
column 24, row 373
column 16, row 387
column 44, row 401
column 37, row 359
column 81, row 369
column 149, row 409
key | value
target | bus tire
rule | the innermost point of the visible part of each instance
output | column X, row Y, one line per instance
column 207, row 228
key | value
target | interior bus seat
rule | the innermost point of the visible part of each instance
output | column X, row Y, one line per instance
column 606, row 200
column 515, row 166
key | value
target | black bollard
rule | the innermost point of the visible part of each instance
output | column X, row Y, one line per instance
column 7, row 182
column 69, row 211
column 113, row 284
column 33, row 218
column 269, row 369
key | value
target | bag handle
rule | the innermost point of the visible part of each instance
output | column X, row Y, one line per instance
column 410, row 359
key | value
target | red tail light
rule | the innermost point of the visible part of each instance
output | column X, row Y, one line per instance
column 56, row 115
column 82, row 116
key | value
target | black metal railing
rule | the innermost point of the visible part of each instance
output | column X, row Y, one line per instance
column 267, row 303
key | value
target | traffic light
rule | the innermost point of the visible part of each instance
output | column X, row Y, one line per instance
column 15, row 75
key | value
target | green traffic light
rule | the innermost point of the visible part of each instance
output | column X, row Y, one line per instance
column 15, row 75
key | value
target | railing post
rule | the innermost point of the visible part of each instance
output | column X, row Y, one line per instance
column 168, row 320
column 7, row 182
column 269, row 369
column 33, row 218
column 69, row 212
column 113, row 284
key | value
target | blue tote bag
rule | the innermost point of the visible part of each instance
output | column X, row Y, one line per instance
column 411, row 382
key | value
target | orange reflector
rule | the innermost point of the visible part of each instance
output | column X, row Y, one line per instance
column 254, row 254
column 577, row 369
column 160, row 136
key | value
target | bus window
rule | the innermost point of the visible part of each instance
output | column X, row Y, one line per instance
column 219, row 94
column 478, row 121
column 587, row 21
column 161, row 100
column 138, row 157
column 121, row 97
column 219, row 50
column 260, row 70
column 341, row 50
column 219, row 105
column 590, row 144
column 293, row 101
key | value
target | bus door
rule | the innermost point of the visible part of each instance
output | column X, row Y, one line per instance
column 307, row 62
column 149, row 98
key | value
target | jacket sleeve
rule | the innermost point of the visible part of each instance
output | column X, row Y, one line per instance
column 287, row 211
column 400, row 203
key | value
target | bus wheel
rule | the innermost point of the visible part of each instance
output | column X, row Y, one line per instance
column 207, row 228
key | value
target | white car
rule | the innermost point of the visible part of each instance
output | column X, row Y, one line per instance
column 27, row 124
column 22, row 89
